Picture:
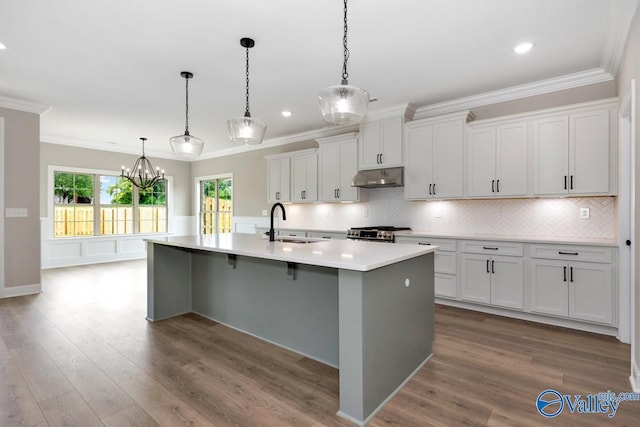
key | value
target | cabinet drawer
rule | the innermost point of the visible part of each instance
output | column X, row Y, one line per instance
column 327, row 235
column 491, row 247
column 572, row 253
column 292, row 233
column 447, row 245
column 445, row 285
column 445, row 262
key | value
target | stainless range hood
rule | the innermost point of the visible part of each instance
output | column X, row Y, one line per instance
column 374, row 178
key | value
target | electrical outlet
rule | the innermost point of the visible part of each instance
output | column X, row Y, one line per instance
column 584, row 213
column 264, row 212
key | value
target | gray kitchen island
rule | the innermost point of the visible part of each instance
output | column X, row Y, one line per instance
column 363, row 307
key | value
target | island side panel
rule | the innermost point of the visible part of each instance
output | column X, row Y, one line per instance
column 168, row 281
column 396, row 331
column 258, row 296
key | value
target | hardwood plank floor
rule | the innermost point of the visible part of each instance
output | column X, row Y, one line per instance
column 81, row 353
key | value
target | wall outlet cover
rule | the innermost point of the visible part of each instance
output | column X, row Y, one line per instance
column 264, row 212
column 584, row 213
column 16, row 212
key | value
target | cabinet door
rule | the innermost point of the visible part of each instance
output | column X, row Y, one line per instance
column 507, row 281
column 348, row 161
column 448, row 160
column 590, row 292
column 370, row 149
column 311, row 190
column 299, row 178
column 511, row 160
column 278, row 185
column 589, row 152
column 551, row 155
column 391, row 141
column 418, row 170
column 482, row 162
column 329, row 174
column 475, row 278
column 549, row 287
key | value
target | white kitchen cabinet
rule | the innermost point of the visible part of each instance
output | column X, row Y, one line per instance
column 304, row 173
column 497, row 160
column 337, row 165
column 572, row 153
column 380, row 143
column 576, row 289
column 444, row 263
column 434, row 149
column 492, row 279
column 278, row 171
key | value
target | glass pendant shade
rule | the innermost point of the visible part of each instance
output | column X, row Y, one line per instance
column 343, row 104
column 246, row 130
column 186, row 145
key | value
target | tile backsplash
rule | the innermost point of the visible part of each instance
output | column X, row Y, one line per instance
column 521, row 217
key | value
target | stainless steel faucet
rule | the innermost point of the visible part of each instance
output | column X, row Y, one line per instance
column 272, row 234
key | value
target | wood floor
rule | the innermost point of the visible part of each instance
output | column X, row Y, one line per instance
column 82, row 354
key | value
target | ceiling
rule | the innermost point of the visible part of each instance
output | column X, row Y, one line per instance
column 110, row 70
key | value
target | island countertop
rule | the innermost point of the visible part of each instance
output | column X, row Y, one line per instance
column 343, row 254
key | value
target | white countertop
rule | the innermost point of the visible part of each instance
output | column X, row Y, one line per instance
column 510, row 238
column 344, row 254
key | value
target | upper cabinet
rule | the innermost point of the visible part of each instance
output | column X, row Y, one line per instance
column 574, row 153
column 279, row 175
column 338, row 164
column 381, row 143
column 497, row 160
column 434, row 166
column 304, row 176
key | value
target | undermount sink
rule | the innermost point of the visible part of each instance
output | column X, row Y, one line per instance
column 296, row 240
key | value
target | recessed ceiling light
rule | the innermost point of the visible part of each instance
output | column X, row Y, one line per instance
column 286, row 113
column 2, row 46
column 523, row 47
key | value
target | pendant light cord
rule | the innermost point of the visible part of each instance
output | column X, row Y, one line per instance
column 143, row 140
column 345, row 74
column 246, row 111
column 186, row 107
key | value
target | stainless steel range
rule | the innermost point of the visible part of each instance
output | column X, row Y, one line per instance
column 374, row 234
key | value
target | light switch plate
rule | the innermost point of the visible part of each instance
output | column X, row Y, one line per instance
column 16, row 212
column 584, row 213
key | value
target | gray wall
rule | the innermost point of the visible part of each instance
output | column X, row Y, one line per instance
column 63, row 155
column 630, row 69
column 21, row 171
column 249, row 175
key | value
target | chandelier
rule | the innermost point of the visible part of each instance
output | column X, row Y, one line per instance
column 343, row 104
column 246, row 129
column 186, row 145
column 143, row 175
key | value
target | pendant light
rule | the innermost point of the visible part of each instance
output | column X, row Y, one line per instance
column 143, row 175
column 186, row 145
column 246, row 129
column 343, row 104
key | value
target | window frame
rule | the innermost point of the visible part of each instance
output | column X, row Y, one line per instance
column 198, row 199
column 52, row 169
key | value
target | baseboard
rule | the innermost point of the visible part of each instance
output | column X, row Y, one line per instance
column 634, row 379
column 533, row 317
column 18, row 291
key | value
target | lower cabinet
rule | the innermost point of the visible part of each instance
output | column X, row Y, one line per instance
column 492, row 279
column 327, row 235
column 444, row 264
column 575, row 289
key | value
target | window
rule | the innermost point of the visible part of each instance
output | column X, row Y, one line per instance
column 216, row 205
column 121, row 209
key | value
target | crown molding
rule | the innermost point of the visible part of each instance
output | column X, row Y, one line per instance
column 568, row 81
column 105, row 146
column 621, row 16
column 23, row 105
